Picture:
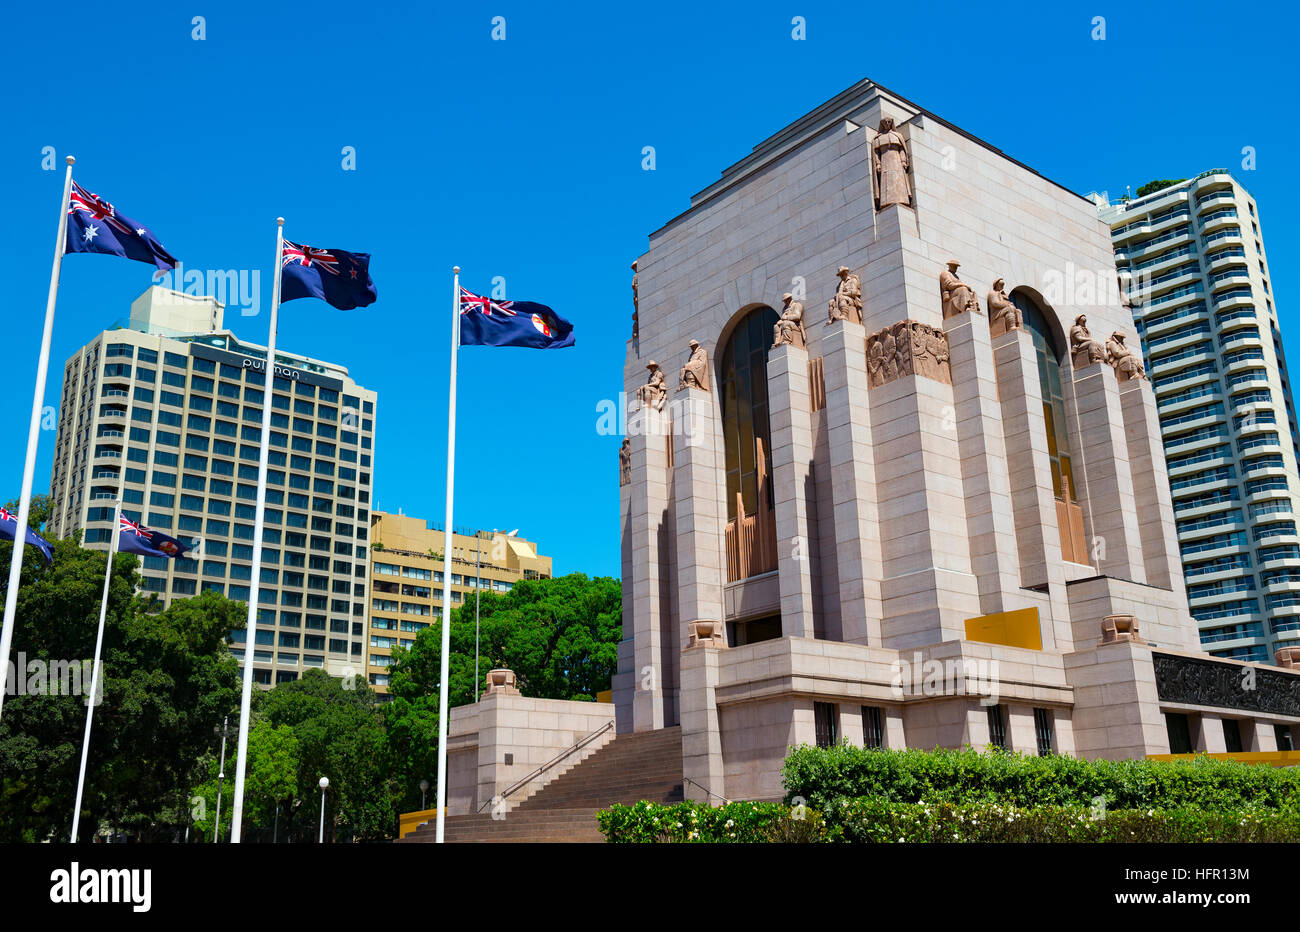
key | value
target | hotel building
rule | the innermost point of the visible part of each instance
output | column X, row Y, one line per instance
column 166, row 411
column 1192, row 258
column 406, row 580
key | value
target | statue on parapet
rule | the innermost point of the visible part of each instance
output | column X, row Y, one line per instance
column 1004, row 316
column 847, row 303
column 653, row 393
column 695, row 374
column 958, row 298
column 1128, row 364
column 1084, row 350
column 789, row 329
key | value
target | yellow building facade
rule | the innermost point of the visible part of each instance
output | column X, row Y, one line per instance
column 406, row 579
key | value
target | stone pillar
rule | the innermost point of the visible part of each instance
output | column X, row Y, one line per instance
column 1116, row 707
column 1033, row 501
column 650, row 618
column 790, row 416
column 853, row 481
column 1146, row 455
column 1258, row 736
column 1022, row 736
column 985, row 475
column 1105, row 479
column 895, row 735
column 1209, row 734
column 701, row 733
column 698, row 490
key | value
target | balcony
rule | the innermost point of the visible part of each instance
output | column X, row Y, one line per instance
column 1234, row 298
column 1225, row 237
column 1234, row 275
column 1216, row 199
column 1160, row 323
column 1218, row 218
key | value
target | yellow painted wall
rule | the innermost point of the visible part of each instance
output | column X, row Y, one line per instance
column 1019, row 628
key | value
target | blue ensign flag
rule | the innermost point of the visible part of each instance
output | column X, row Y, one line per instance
column 9, row 524
column 136, row 538
column 94, row 225
column 337, row 277
column 484, row 322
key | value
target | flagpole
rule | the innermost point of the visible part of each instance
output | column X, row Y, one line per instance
column 446, row 559
column 95, row 675
column 250, row 640
column 33, row 432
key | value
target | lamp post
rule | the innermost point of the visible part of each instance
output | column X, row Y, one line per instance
column 221, row 776
column 324, row 784
column 424, row 788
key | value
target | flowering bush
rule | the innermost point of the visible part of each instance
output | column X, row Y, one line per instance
column 740, row 822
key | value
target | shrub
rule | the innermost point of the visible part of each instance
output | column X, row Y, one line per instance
column 824, row 776
column 877, row 821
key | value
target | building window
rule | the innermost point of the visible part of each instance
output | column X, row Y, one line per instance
column 1283, row 734
column 824, row 723
column 873, row 727
column 1180, row 734
column 997, row 727
column 1232, row 735
column 742, row 390
column 1043, row 731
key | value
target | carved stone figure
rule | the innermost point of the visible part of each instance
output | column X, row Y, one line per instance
column 636, row 307
column 653, row 392
column 907, row 348
column 847, row 303
column 1128, row 364
column 1084, row 350
column 1003, row 313
column 789, row 329
column 695, row 374
column 958, row 298
column 625, row 462
column 890, row 164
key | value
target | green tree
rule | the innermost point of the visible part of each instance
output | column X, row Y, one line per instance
column 38, row 511
column 1151, row 187
column 271, row 780
column 168, row 677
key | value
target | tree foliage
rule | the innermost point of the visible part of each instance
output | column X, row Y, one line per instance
column 1151, row 187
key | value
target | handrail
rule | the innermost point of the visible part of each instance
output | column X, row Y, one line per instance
column 549, row 764
column 706, row 789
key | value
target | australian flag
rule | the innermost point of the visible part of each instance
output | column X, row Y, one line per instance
column 136, row 538
column 94, row 225
column 336, row 277
column 484, row 322
column 9, row 524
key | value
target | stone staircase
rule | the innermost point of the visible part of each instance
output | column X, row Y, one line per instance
column 632, row 767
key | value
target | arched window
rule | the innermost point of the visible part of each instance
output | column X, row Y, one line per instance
column 1048, row 348
column 742, row 394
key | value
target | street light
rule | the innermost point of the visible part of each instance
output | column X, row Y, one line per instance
column 324, row 783
column 221, row 776
column 424, row 788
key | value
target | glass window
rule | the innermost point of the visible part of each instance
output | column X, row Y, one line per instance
column 743, row 394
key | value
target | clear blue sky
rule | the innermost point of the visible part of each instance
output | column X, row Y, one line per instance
column 522, row 158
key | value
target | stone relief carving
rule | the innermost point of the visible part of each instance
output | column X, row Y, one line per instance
column 890, row 165
column 908, row 348
column 1128, row 364
column 958, row 297
column 789, row 329
column 1004, row 316
column 653, row 393
column 636, row 307
column 695, row 374
column 847, row 303
column 1084, row 350
column 625, row 462
column 1209, row 682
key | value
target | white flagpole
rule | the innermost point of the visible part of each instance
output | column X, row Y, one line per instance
column 250, row 640
column 446, row 560
column 33, row 432
column 95, row 675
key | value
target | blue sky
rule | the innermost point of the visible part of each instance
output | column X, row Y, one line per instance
column 522, row 158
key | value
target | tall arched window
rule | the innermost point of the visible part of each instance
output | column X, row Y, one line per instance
column 742, row 394
column 1047, row 346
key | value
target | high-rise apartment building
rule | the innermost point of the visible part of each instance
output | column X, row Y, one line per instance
column 167, row 412
column 406, row 579
column 1192, row 259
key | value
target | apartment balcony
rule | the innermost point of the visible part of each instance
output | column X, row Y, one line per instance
column 1232, row 275
column 1278, row 489
column 1253, row 378
column 1179, row 338
column 1188, row 398
column 1235, row 318
column 1151, row 288
column 1182, row 358
column 1241, row 296
column 1230, row 591
column 1209, row 525
column 1163, row 222
column 115, row 413
column 1215, row 199
column 1155, row 325
column 1225, row 257
column 1218, row 219
column 1141, row 248
column 111, row 456
column 1288, row 581
column 1163, row 262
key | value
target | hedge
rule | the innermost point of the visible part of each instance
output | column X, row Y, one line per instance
column 822, row 777
column 880, row 821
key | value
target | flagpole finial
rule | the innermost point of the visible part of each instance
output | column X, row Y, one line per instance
column 456, row 269
column 69, row 159
column 280, row 221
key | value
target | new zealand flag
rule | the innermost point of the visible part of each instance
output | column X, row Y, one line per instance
column 9, row 524
column 136, row 538
column 484, row 322
column 94, row 225
column 336, row 277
